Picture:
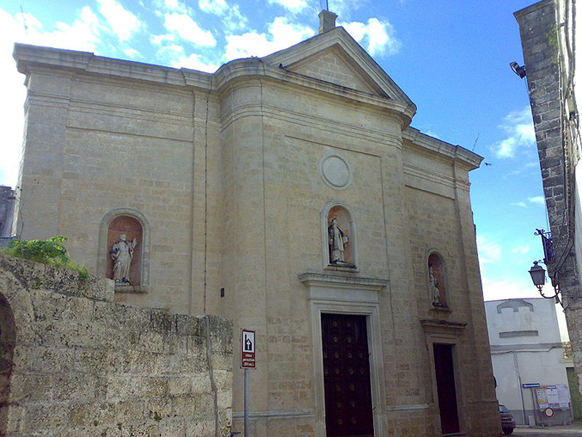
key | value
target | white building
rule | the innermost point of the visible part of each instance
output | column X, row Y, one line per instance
column 526, row 350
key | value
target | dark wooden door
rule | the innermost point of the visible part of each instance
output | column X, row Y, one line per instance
column 447, row 393
column 346, row 369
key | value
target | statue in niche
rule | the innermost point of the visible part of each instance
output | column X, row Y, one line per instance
column 434, row 287
column 337, row 243
column 122, row 255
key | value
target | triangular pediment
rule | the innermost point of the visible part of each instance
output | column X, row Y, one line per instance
column 334, row 66
column 335, row 57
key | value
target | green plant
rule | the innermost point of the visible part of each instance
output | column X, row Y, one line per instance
column 51, row 251
column 157, row 417
column 554, row 44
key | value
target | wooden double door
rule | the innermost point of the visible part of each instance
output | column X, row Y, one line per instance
column 346, row 369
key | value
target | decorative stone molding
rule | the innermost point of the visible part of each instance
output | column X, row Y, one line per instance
column 443, row 328
column 354, row 296
column 335, row 171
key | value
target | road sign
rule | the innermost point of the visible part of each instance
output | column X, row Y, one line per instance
column 531, row 385
column 248, row 349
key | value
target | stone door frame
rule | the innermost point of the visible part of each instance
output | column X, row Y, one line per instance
column 447, row 333
column 333, row 294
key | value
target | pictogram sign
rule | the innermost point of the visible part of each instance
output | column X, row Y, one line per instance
column 248, row 349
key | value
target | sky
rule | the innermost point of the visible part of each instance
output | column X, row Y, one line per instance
column 451, row 58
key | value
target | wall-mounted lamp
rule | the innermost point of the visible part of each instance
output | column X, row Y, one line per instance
column 517, row 69
column 538, row 277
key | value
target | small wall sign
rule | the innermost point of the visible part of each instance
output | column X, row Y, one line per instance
column 248, row 349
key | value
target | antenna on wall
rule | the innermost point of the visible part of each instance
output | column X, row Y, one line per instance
column 324, row 4
column 24, row 20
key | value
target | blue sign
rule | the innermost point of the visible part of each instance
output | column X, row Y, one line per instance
column 531, row 385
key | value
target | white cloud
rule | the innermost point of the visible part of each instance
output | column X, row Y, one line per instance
column 282, row 34
column 83, row 34
column 186, row 28
column 195, row 62
column 489, row 251
column 538, row 200
column 13, row 94
column 171, row 52
column 123, row 23
column 246, row 45
column 495, row 290
column 377, row 36
column 520, row 204
column 174, row 5
column 344, row 8
column 217, row 7
column 292, row 5
column 160, row 39
column 232, row 19
column 522, row 250
column 521, row 133
column 132, row 53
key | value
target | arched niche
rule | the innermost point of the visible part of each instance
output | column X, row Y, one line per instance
column 437, row 280
column 128, row 227
column 7, row 342
column 339, row 240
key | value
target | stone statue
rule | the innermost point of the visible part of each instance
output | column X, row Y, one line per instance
column 122, row 255
column 434, row 288
column 337, row 243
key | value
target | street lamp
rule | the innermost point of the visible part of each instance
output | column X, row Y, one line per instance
column 538, row 277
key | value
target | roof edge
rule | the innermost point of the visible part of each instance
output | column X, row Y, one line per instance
column 30, row 56
column 455, row 152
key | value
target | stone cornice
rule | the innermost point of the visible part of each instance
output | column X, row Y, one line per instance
column 443, row 327
column 322, row 279
column 457, row 153
column 30, row 57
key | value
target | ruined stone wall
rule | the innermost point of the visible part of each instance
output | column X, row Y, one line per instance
column 79, row 365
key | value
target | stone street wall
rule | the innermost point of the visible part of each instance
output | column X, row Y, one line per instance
column 75, row 364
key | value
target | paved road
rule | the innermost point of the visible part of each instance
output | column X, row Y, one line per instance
column 555, row 431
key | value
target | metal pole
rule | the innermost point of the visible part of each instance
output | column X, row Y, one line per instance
column 246, row 396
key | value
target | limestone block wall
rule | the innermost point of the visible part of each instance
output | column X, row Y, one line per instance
column 557, row 154
column 440, row 221
column 76, row 364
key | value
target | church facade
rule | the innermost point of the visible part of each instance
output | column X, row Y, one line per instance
column 289, row 194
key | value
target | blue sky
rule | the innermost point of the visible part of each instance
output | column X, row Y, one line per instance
column 451, row 58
